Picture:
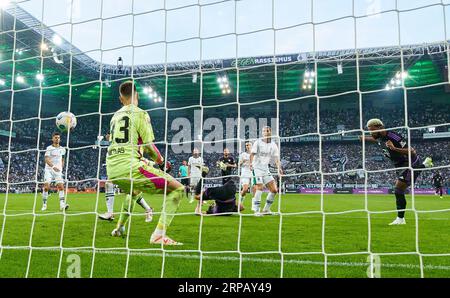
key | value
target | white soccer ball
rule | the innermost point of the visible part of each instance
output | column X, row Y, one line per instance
column 66, row 121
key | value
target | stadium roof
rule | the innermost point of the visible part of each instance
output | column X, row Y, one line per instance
column 255, row 78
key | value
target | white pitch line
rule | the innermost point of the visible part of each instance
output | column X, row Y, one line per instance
column 193, row 256
column 40, row 213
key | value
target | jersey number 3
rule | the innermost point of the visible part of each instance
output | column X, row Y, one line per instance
column 125, row 129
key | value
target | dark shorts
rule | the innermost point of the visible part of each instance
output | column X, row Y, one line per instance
column 222, row 207
column 185, row 181
column 407, row 176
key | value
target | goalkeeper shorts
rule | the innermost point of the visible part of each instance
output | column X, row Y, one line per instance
column 144, row 177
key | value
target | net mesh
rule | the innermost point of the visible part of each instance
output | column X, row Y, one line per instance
column 255, row 93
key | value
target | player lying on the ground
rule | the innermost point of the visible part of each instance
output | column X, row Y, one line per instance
column 263, row 151
column 54, row 163
column 396, row 148
column 131, row 136
column 224, row 196
column 437, row 182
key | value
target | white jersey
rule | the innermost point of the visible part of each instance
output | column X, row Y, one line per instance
column 244, row 160
column 56, row 155
column 195, row 165
column 264, row 154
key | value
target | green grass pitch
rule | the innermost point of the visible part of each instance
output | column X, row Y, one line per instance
column 211, row 243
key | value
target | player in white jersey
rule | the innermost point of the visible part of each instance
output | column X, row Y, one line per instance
column 263, row 151
column 54, row 163
column 110, row 195
column 195, row 163
column 246, row 173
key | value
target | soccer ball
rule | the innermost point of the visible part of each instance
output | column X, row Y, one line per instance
column 66, row 121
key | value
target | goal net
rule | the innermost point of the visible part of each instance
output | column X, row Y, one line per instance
column 213, row 75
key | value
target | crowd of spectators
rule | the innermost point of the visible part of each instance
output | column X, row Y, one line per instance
column 22, row 156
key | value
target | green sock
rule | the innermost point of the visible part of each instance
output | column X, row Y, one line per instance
column 127, row 208
column 170, row 206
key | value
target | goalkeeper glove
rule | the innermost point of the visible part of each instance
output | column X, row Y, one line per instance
column 167, row 167
column 222, row 165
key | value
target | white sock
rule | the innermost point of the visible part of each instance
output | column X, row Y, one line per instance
column 143, row 203
column 256, row 201
column 110, row 202
column 61, row 197
column 269, row 201
column 44, row 197
column 109, row 196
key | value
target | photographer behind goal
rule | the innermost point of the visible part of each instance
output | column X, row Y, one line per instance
column 224, row 196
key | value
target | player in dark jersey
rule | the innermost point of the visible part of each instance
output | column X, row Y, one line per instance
column 224, row 196
column 437, row 182
column 396, row 148
column 226, row 164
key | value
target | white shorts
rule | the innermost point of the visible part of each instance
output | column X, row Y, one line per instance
column 246, row 178
column 262, row 176
column 52, row 176
column 194, row 181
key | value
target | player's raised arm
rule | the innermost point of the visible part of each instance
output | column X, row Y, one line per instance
column 146, row 133
column 367, row 138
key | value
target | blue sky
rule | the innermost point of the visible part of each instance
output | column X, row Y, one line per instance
column 219, row 20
